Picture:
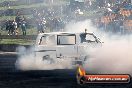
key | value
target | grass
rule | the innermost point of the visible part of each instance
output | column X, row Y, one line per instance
column 17, row 41
column 6, row 0
column 32, row 6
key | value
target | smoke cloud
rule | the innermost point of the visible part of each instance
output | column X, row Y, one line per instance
column 80, row 26
column 114, row 56
column 29, row 61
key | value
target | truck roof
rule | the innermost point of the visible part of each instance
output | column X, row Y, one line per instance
column 56, row 33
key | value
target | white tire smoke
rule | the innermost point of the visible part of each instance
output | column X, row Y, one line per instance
column 115, row 55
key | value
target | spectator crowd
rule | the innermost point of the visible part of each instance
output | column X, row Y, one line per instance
column 117, row 16
column 13, row 26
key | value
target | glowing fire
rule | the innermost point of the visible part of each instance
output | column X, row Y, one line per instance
column 81, row 71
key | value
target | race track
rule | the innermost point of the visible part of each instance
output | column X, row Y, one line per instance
column 13, row 78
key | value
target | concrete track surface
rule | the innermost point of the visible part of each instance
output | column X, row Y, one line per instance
column 12, row 78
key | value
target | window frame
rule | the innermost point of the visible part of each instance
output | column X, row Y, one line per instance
column 65, row 35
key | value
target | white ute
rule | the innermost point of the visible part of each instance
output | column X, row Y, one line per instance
column 64, row 45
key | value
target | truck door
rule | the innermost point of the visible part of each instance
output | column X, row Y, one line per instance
column 46, row 48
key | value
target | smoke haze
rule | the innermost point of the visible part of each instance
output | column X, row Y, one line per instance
column 79, row 26
column 28, row 61
column 115, row 55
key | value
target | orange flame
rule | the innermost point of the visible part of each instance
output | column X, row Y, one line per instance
column 81, row 71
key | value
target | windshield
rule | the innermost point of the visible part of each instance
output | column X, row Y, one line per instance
column 90, row 38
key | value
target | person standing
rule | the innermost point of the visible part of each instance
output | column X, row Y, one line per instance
column 23, row 27
column 18, row 19
column 15, row 27
column 44, row 24
column 41, row 26
column 7, row 23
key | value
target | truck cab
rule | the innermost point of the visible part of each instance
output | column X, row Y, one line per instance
column 64, row 45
